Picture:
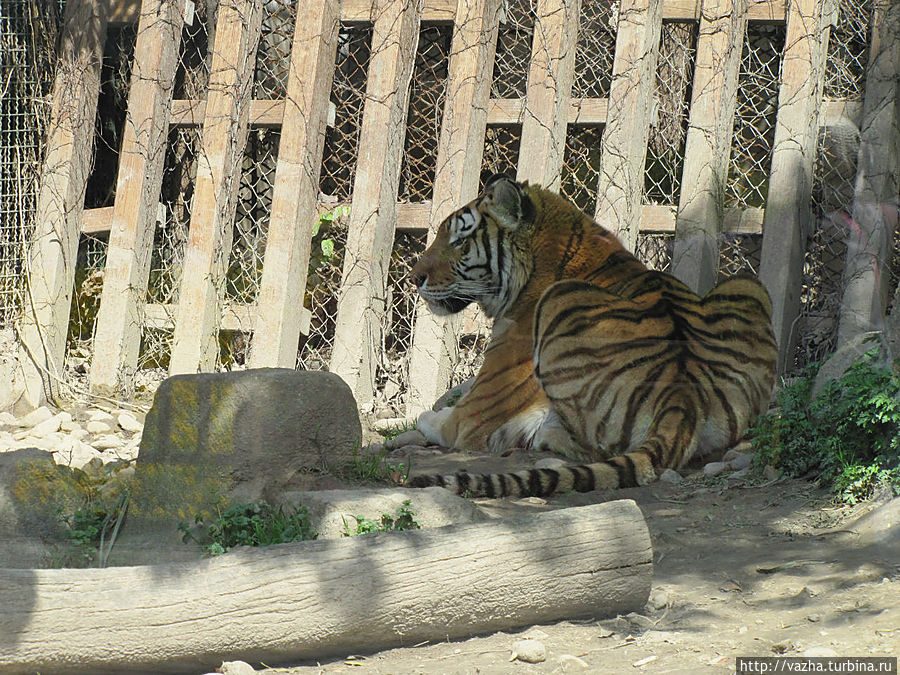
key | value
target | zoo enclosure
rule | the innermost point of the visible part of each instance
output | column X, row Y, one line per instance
column 713, row 136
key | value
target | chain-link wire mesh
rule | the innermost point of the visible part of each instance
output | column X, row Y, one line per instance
column 513, row 53
column 28, row 34
column 195, row 55
column 423, row 120
column 595, row 48
column 848, row 51
column 581, row 166
column 501, row 151
column 655, row 250
column 672, row 103
column 755, row 113
column 323, row 284
column 273, row 54
column 392, row 375
column 739, row 254
column 348, row 91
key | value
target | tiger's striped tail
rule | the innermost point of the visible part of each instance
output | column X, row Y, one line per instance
column 629, row 470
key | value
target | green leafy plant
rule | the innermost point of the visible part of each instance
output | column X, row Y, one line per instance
column 253, row 524
column 393, row 431
column 374, row 467
column 403, row 519
column 848, row 434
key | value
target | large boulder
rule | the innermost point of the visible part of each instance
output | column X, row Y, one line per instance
column 211, row 439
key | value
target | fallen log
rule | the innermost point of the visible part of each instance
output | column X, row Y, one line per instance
column 314, row 599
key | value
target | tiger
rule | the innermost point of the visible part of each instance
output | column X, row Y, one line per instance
column 623, row 370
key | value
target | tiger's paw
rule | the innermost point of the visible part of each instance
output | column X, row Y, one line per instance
column 430, row 423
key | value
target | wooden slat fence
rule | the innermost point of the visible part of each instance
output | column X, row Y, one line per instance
column 671, row 177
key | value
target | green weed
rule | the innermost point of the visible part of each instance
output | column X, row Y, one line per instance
column 253, row 524
column 403, row 519
column 848, row 436
column 375, row 468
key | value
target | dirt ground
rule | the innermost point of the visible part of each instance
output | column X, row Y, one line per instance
column 739, row 569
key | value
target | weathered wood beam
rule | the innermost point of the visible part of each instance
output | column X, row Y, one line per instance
column 701, row 215
column 551, row 73
column 370, row 233
column 296, row 188
column 51, row 256
column 460, row 150
column 118, row 327
column 315, row 599
column 195, row 345
column 623, row 147
column 788, row 217
column 875, row 203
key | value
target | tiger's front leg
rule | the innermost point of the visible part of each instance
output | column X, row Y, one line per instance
column 503, row 410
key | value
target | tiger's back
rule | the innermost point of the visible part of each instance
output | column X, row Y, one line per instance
column 633, row 371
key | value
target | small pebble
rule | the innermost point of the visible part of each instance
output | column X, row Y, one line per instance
column 814, row 618
column 408, row 437
column 739, row 461
column 671, row 476
column 713, row 469
column 97, row 427
column 529, row 651
column 35, row 417
column 550, row 463
column 107, row 442
column 770, row 472
column 7, row 419
column 658, row 599
column 129, row 422
column 46, row 427
column 236, row 668
column 97, row 415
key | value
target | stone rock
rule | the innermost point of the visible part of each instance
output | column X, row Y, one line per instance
column 7, row 418
column 98, row 415
column 453, row 395
column 48, row 426
column 97, row 427
column 529, row 651
column 35, row 417
column 713, row 469
column 744, row 447
column 332, row 512
column 129, row 422
column 107, row 442
column 550, row 463
column 658, row 599
column 738, row 461
column 236, row 668
column 408, row 437
column 671, row 476
column 244, row 433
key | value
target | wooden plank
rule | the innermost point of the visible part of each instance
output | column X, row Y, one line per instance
column 460, row 150
column 195, row 345
column 788, row 216
column 234, row 317
column 296, row 188
column 874, row 215
column 361, row 11
column 263, row 113
column 50, row 267
column 700, row 219
column 310, row 600
column 118, row 328
column 550, row 76
column 623, row 147
column 370, row 233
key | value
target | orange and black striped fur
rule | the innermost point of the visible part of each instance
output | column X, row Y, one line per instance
column 592, row 355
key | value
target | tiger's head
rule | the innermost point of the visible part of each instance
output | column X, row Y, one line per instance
column 481, row 252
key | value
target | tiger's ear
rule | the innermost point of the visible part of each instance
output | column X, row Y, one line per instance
column 506, row 201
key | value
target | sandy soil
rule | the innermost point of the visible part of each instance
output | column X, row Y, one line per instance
column 739, row 569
